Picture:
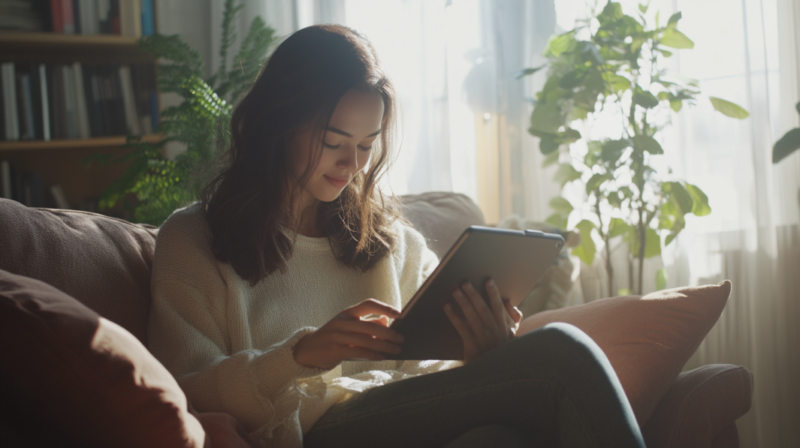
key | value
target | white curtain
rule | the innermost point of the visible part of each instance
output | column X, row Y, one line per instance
column 465, row 116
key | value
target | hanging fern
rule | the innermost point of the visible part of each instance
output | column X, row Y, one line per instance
column 152, row 186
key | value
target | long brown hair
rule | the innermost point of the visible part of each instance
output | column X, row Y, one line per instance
column 248, row 206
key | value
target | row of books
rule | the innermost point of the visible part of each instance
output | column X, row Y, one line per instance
column 48, row 102
column 124, row 17
column 29, row 189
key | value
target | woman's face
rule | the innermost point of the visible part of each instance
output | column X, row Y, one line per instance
column 347, row 145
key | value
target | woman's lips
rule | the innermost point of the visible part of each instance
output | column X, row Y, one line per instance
column 338, row 183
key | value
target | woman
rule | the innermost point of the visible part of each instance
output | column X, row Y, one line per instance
column 264, row 290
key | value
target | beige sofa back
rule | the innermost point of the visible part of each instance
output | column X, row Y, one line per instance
column 105, row 263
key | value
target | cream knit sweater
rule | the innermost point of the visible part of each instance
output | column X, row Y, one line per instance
column 230, row 345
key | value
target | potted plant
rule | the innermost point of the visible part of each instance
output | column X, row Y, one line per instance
column 610, row 68
column 153, row 186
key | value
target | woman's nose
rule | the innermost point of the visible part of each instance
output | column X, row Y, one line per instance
column 349, row 158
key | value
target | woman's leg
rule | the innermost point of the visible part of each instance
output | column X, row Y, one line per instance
column 490, row 436
column 553, row 385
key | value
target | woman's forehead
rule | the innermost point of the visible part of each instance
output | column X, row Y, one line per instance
column 358, row 113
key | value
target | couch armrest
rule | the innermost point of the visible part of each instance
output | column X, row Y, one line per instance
column 702, row 404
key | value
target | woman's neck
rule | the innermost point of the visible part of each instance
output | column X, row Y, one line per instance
column 306, row 218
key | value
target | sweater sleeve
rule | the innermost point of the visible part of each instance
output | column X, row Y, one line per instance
column 188, row 333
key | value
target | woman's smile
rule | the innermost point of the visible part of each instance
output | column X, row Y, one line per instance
column 336, row 182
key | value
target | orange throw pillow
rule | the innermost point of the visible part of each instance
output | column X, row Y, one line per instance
column 647, row 339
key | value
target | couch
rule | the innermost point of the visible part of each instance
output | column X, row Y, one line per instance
column 104, row 263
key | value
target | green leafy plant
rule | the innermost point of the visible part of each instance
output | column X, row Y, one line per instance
column 610, row 68
column 153, row 186
column 788, row 144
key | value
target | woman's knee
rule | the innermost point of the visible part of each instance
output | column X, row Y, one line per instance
column 559, row 340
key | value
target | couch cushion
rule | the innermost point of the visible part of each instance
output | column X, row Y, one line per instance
column 441, row 217
column 700, row 407
column 70, row 375
column 647, row 339
column 103, row 262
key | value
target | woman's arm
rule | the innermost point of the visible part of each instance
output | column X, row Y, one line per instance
column 189, row 334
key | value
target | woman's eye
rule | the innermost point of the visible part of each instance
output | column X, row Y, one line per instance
column 365, row 148
column 331, row 146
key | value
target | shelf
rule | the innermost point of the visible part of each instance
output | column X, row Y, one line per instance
column 8, row 38
column 64, row 48
column 96, row 142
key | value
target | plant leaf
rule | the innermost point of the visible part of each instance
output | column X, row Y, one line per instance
column 566, row 173
column 587, row 249
column 618, row 227
column 673, row 20
column 647, row 143
column 546, row 118
column 729, row 109
column 561, row 205
column 676, row 105
column 595, row 181
column 550, row 159
column 612, row 150
column 786, row 145
column 548, row 146
column 652, row 247
column 529, row 71
column 675, row 39
column 561, row 43
column 700, row 206
column 661, row 279
column 645, row 99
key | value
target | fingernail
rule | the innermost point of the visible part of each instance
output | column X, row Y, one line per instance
column 492, row 283
column 458, row 293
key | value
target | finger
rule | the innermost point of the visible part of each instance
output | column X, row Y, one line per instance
column 365, row 341
column 368, row 328
column 513, row 311
column 347, row 352
column 467, row 337
column 370, row 306
column 496, row 302
column 480, row 304
column 382, row 320
column 475, row 323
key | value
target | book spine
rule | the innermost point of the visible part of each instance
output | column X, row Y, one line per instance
column 10, row 102
column 103, row 10
column 80, row 101
column 90, row 15
column 125, row 23
column 27, row 106
column 36, row 101
column 5, row 175
column 136, row 17
column 57, row 16
column 68, row 16
column 148, row 19
column 45, row 102
column 69, row 96
column 113, row 18
column 76, row 16
column 129, row 101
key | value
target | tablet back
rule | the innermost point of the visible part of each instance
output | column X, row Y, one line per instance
column 514, row 259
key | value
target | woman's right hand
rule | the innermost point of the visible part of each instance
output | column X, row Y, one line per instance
column 348, row 336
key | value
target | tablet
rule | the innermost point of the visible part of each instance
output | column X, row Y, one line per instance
column 515, row 259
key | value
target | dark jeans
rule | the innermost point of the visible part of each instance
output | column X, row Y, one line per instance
column 552, row 387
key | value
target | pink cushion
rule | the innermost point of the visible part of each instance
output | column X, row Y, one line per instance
column 102, row 262
column 69, row 375
column 647, row 339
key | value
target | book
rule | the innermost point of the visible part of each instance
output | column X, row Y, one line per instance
column 76, row 12
column 113, row 18
column 33, row 190
column 45, row 110
column 20, row 15
column 5, row 179
column 59, row 196
column 82, row 115
column 104, row 16
column 136, row 17
column 89, row 19
column 68, row 14
column 129, row 101
column 69, row 102
column 10, row 101
column 25, row 105
column 148, row 20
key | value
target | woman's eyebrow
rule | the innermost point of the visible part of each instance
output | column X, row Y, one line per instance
column 346, row 134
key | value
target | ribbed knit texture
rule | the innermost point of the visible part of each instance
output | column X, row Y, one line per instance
column 230, row 345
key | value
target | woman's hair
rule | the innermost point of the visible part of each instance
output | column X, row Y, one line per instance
column 248, row 206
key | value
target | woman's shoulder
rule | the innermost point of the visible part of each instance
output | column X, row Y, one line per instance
column 186, row 226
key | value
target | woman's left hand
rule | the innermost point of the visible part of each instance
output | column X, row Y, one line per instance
column 483, row 327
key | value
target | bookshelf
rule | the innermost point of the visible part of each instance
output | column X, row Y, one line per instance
column 60, row 161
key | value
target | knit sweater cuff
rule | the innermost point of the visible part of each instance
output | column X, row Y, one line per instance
column 277, row 367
